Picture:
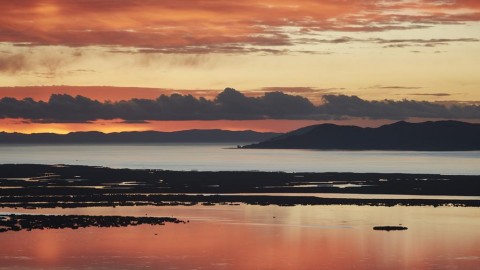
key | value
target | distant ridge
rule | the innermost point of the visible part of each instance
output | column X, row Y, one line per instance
column 194, row 135
column 426, row 136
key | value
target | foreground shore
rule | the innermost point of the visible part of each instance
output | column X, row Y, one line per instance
column 31, row 185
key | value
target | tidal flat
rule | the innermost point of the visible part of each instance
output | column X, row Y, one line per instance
column 30, row 186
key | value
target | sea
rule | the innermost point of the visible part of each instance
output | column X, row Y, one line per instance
column 227, row 157
column 242, row 236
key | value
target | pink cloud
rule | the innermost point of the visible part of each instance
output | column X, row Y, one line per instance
column 212, row 26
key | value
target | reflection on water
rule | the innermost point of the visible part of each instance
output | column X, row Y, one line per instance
column 255, row 237
column 215, row 157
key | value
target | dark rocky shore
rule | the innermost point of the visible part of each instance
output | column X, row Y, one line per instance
column 15, row 222
column 30, row 186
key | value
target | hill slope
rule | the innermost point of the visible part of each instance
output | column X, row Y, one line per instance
column 428, row 136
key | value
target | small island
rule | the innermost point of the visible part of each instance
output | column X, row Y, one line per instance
column 390, row 228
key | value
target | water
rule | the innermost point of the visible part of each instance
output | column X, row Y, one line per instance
column 221, row 157
column 255, row 237
column 251, row 236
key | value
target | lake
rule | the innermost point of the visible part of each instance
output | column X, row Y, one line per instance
column 255, row 237
column 225, row 157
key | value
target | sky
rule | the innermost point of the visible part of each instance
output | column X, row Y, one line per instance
column 284, row 64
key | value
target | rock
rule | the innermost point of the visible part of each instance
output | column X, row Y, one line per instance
column 390, row 228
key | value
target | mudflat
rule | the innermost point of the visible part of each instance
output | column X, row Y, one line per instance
column 33, row 185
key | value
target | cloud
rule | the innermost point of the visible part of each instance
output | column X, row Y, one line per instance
column 102, row 93
column 390, row 43
column 222, row 26
column 402, row 43
column 431, row 94
column 388, row 109
column 299, row 89
column 395, row 87
column 133, row 122
column 227, row 105
column 314, row 94
column 47, row 65
column 13, row 64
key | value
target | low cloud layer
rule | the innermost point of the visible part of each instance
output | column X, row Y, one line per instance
column 341, row 105
column 229, row 105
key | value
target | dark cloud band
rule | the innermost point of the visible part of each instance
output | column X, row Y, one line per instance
column 227, row 105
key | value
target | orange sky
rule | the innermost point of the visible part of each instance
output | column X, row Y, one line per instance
column 410, row 49
column 16, row 125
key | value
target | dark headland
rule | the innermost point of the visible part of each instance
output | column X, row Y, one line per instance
column 426, row 136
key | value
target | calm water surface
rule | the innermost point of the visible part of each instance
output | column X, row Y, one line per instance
column 255, row 237
column 217, row 157
column 248, row 236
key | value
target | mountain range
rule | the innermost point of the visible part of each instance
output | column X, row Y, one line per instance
column 194, row 135
column 426, row 136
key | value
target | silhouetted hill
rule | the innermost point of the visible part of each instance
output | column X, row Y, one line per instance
column 428, row 136
column 138, row 137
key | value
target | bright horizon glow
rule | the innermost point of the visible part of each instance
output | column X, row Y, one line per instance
column 110, row 126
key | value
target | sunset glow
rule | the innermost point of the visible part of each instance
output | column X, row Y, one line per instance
column 417, row 50
column 15, row 125
column 272, row 134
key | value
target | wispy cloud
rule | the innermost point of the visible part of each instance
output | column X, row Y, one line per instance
column 300, row 89
column 172, row 26
column 13, row 64
column 394, row 87
column 47, row 65
column 431, row 94
column 390, row 43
